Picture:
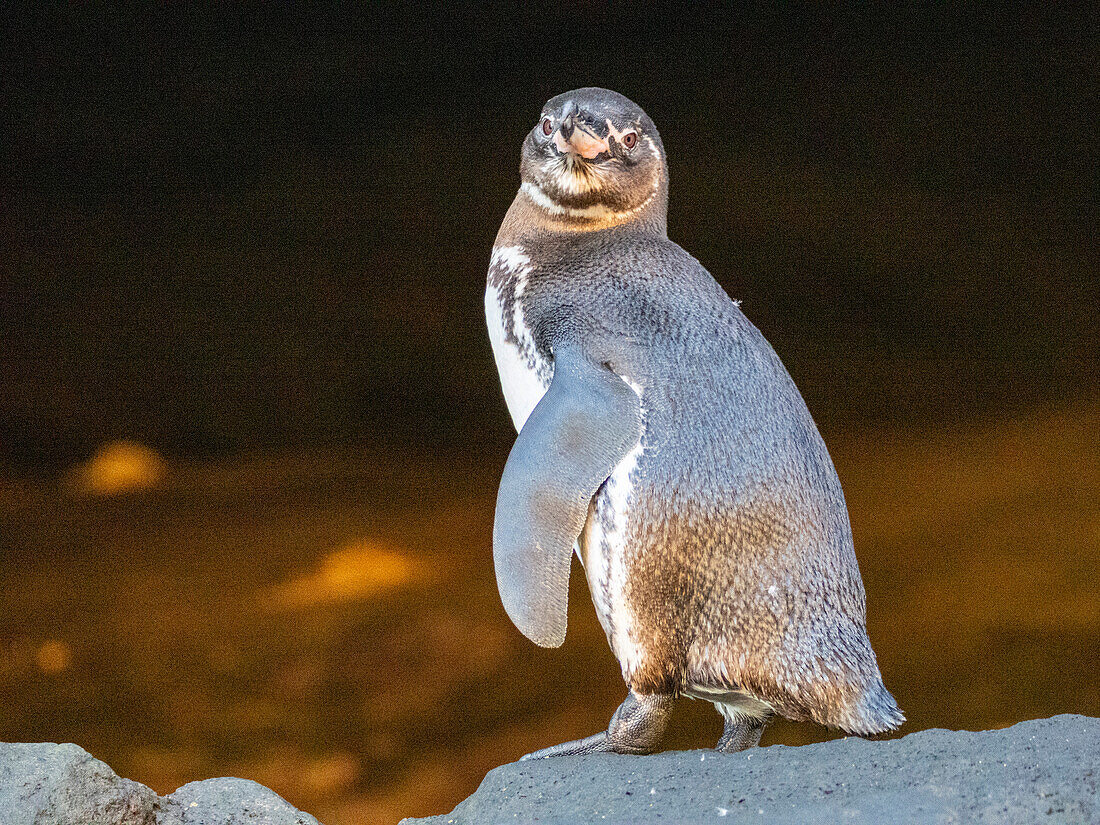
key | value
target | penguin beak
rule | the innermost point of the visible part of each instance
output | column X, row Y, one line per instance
column 573, row 138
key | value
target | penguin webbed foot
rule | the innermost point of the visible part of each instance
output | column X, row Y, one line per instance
column 741, row 735
column 636, row 728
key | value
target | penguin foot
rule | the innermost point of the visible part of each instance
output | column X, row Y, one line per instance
column 741, row 735
column 637, row 727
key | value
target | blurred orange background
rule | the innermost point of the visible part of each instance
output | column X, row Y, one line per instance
column 251, row 430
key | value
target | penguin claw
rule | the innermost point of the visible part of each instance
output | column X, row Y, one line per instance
column 597, row 743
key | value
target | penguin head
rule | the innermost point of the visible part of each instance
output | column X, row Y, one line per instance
column 595, row 156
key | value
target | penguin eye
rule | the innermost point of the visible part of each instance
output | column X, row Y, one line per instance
column 547, row 126
column 630, row 140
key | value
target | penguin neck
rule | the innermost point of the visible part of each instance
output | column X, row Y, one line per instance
column 533, row 214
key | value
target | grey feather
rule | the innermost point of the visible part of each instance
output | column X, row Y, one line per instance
column 580, row 429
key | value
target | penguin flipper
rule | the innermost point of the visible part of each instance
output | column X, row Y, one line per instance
column 587, row 421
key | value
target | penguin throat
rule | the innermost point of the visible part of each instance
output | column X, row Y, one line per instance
column 574, row 175
column 594, row 216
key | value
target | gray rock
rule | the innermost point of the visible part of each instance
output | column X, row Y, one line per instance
column 47, row 784
column 1045, row 771
column 229, row 802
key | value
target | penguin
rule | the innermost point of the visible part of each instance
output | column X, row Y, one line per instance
column 661, row 439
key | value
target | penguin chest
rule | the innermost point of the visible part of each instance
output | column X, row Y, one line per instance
column 524, row 374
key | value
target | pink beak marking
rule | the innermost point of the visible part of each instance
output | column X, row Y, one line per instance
column 582, row 143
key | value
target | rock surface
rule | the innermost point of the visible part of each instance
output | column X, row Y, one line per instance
column 1044, row 771
column 47, row 784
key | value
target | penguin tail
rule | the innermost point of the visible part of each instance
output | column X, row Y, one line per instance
column 876, row 712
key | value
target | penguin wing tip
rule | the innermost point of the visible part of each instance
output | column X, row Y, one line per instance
column 550, row 641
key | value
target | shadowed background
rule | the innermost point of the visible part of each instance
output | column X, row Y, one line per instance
column 250, row 427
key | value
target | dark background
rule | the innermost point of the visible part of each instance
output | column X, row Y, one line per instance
column 225, row 229
column 256, row 241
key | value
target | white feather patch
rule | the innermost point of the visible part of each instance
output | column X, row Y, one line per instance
column 744, row 708
column 520, row 381
column 606, row 561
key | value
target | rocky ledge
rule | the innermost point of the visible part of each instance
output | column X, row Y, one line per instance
column 46, row 784
column 1043, row 771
